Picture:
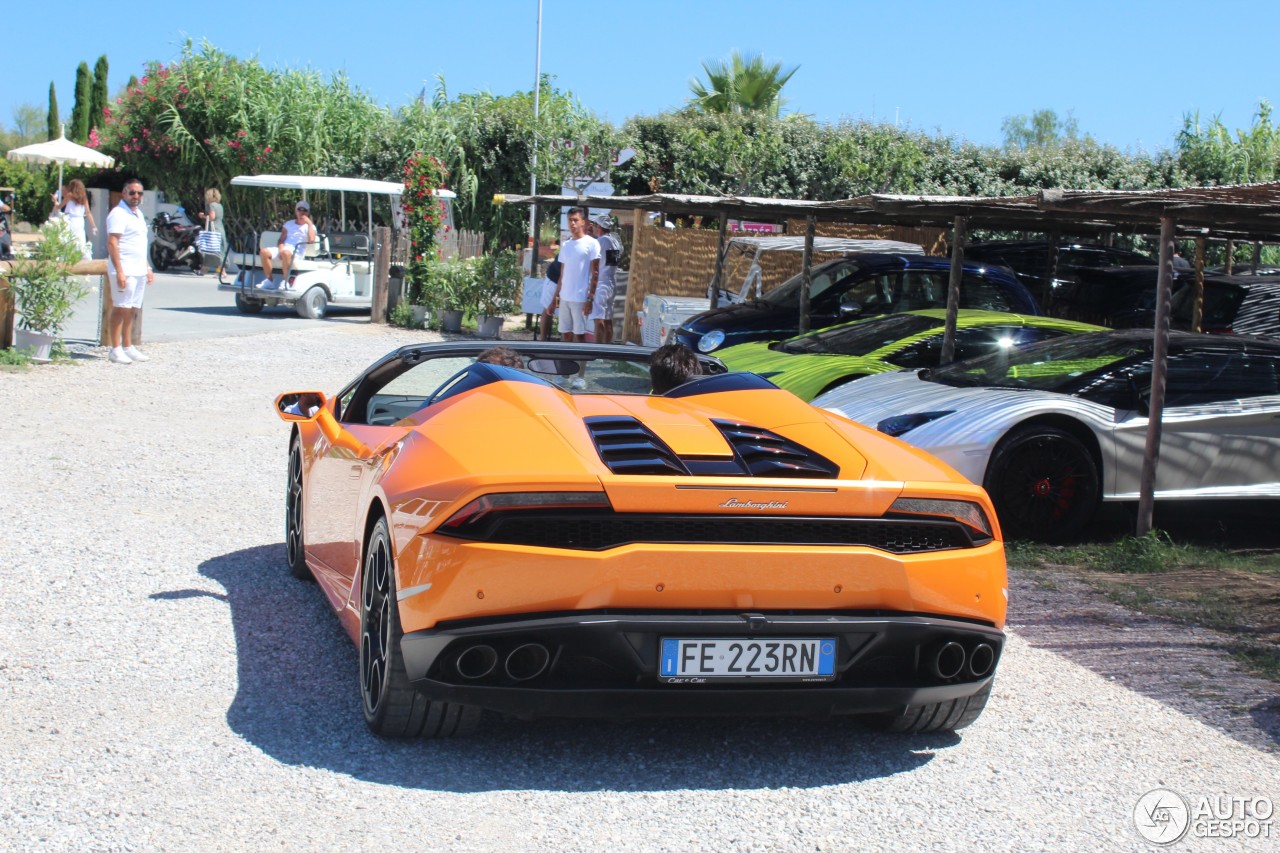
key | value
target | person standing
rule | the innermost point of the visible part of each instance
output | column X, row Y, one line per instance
column 73, row 203
column 212, row 216
column 579, row 275
column 128, row 272
column 610, row 253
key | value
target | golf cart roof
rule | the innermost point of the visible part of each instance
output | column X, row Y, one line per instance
column 841, row 245
column 317, row 183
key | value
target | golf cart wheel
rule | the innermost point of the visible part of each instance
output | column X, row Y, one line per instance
column 245, row 305
column 313, row 304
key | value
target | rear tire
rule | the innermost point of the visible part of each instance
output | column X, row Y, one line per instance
column 1044, row 484
column 392, row 708
column 936, row 716
column 313, row 304
column 245, row 305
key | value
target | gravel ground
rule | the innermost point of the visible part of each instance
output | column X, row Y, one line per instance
column 167, row 686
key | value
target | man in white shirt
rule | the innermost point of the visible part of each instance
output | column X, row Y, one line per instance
column 579, row 272
column 610, row 253
column 128, row 272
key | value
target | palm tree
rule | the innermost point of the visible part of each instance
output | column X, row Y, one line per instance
column 741, row 84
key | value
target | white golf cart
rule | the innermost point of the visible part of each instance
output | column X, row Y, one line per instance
column 335, row 270
column 661, row 315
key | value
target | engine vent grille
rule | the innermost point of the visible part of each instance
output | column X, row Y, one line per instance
column 629, row 447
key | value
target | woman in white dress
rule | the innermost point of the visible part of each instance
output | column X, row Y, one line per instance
column 74, row 205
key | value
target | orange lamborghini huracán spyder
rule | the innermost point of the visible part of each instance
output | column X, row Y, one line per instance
column 554, row 540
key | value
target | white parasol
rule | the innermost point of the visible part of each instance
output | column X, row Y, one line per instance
column 61, row 151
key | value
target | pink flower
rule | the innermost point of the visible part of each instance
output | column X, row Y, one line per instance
column 241, row 133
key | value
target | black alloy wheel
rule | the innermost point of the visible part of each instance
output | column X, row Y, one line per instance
column 1044, row 483
column 293, row 541
column 392, row 708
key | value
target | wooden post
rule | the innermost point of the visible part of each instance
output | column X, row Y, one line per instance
column 381, row 275
column 953, row 289
column 1159, row 365
column 1257, row 257
column 715, row 282
column 1231, row 257
column 807, row 273
column 6, row 314
column 1197, row 308
column 1050, row 271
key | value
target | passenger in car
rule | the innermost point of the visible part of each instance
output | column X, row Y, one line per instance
column 670, row 366
column 505, row 356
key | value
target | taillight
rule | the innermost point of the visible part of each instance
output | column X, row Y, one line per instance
column 477, row 510
column 967, row 513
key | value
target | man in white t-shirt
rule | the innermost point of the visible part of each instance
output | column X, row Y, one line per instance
column 128, row 272
column 579, row 273
column 610, row 253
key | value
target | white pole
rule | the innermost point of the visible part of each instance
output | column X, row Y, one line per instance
column 533, row 177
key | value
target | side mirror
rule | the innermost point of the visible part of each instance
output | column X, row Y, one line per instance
column 1141, row 395
column 299, row 406
column 849, row 310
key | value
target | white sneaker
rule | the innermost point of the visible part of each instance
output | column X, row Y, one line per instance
column 578, row 384
column 135, row 354
column 118, row 356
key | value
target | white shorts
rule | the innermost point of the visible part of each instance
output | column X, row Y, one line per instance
column 548, row 295
column 572, row 320
column 135, row 289
column 276, row 251
column 602, row 307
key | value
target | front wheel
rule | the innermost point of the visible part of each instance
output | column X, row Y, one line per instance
column 293, row 542
column 313, row 304
column 1044, row 483
column 392, row 708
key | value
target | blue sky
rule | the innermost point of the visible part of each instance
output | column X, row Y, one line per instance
column 1126, row 71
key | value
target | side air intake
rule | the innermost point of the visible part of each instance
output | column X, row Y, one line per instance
column 767, row 454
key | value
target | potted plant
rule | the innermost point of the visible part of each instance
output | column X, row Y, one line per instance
column 453, row 290
column 499, row 280
column 44, row 290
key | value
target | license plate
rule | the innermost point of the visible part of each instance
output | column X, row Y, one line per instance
column 769, row 658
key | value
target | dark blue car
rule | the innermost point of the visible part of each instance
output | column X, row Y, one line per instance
column 853, row 287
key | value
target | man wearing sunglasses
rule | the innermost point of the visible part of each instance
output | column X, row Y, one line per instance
column 128, row 272
column 294, row 237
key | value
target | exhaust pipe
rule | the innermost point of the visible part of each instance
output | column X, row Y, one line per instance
column 948, row 662
column 981, row 660
column 527, row 661
column 476, row 662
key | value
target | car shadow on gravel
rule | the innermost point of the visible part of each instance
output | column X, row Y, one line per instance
column 298, row 702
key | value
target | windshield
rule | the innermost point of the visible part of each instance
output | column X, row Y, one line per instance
column 822, row 279
column 1049, row 366
column 863, row 337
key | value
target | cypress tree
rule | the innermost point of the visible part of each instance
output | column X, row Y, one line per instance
column 54, row 128
column 80, row 112
column 99, row 100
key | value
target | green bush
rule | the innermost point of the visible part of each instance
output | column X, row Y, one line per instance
column 499, row 282
column 44, row 290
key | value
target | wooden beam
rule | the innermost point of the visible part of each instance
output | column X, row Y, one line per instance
column 1197, row 307
column 959, row 227
column 720, row 253
column 1257, row 258
column 1159, row 365
column 1050, row 269
column 807, row 273
column 1231, row 257
column 381, row 275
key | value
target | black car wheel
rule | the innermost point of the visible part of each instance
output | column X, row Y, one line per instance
column 392, row 708
column 293, row 515
column 936, row 716
column 1044, row 483
column 245, row 305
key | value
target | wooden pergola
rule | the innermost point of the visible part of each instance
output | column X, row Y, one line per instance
column 1242, row 212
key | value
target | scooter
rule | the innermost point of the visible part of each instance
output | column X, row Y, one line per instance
column 174, row 243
